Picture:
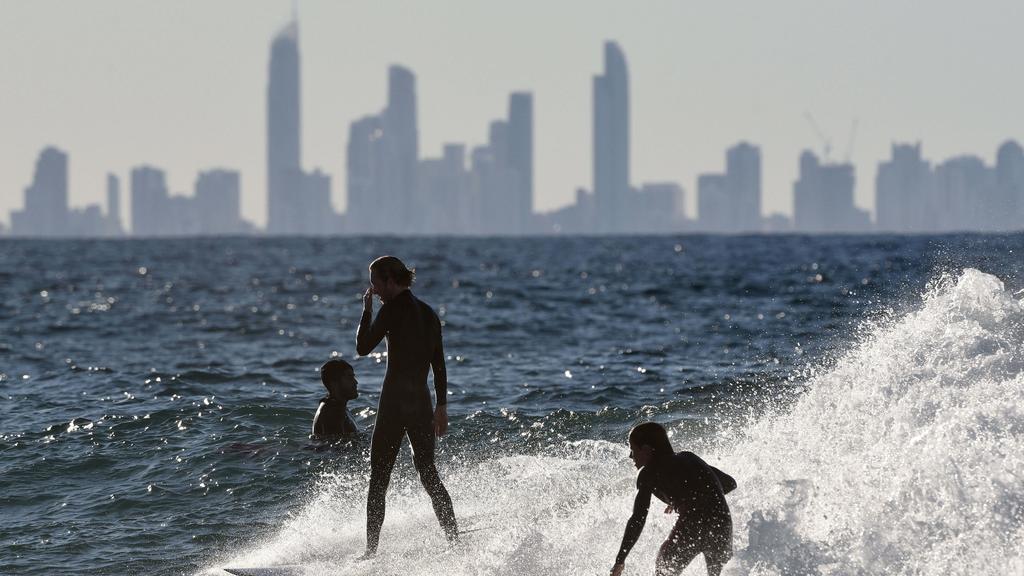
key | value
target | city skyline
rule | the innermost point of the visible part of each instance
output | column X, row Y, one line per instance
column 390, row 189
column 702, row 78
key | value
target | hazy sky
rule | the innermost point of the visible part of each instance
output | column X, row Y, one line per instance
column 182, row 85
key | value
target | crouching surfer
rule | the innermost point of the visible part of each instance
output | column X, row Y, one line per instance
column 691, row 488
column 332, row 420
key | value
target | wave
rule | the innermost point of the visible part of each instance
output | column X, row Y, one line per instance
column 904, row 456
column 907, row 457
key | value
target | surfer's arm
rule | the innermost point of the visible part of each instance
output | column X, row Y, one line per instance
column 635, row 525
column 728, row 482
column 371, row 330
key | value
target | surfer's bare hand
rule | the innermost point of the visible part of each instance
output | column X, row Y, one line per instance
column 441, row 420
column 670, row 509
column 368, row 298
column 617, row 569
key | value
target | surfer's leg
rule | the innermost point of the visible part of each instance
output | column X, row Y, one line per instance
column 387, row 439
column 422, row 439
column 720, row 550
column 676, row 552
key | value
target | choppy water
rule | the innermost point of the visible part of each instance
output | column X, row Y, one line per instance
column 866, row 392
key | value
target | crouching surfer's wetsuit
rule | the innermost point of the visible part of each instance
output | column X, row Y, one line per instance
column 413, row 332
column 696, row 491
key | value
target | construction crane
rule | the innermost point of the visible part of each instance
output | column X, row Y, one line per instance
column 826, row 144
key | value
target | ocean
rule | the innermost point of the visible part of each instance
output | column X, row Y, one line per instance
column 866, row 392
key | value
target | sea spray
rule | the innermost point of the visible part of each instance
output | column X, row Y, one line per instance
column 906, row 458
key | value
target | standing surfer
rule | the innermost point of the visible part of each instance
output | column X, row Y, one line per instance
column 413, row 332
column 690, row 487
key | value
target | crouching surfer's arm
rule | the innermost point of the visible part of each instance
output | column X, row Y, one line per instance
column 633, row 528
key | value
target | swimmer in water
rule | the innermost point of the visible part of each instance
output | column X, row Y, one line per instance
column 693, row 489
column 405, row 408
column 332, row 420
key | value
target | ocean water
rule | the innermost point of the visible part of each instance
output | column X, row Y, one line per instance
column 867, row 393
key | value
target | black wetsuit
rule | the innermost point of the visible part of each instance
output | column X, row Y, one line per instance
column 413, row 331
column 697, row 492
column 332, row 419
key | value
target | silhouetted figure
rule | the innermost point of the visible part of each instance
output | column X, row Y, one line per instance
column 413, row 331
column 690, row 487
column 332, row 420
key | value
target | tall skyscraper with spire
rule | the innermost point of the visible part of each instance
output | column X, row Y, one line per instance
column 611, row 141
column 284, row 133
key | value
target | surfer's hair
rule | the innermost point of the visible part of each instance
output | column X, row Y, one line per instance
column 334, row 369
column 654, row 435
column 391, row 268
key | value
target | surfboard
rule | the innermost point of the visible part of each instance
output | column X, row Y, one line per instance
column 283, row 570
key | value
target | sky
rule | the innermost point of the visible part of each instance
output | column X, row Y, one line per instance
column 182, row 85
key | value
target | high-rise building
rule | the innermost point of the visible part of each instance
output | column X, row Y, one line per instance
column 965, row 189
column 714, row 210
column 659, row 208
column 498, row 184
column 520, row 156
column 382, row 154
column 743, row 172
column 218, row 202
column 151, row 208
column 284, row 132
column 1010, row 183
column 314, row 206
column 611, row 141
column 447, row 206
column 364, row 164
column 823, row 198
column 401, row 143
column 903, row 191
column 731, row 202
column 46, row 199
column 113, row 225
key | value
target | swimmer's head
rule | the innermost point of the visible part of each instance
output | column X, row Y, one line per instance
column 340, row 379
column 647, row 442
column 389, row 276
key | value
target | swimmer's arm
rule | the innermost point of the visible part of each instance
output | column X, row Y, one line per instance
column 635, row 525
column 371, row 330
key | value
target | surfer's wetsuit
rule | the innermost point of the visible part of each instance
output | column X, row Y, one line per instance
column 413, row 331
column 697, row 492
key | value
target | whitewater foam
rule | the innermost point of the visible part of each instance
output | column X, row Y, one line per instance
column 906, row 457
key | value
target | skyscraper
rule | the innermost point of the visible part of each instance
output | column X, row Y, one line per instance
column 903, row 191
column 823, row 198
column 743, row 171
column 284, row 132
column 964, row 192
column 1010, row 183
column 611, row 141
column 713, row 204
column 731, row 202
column 113, row 224
column 151, row 207
column 218, row 202
column 520, row 155
column 382, row 154
column 363, row 162
column 401, row 142
column 46, row 199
